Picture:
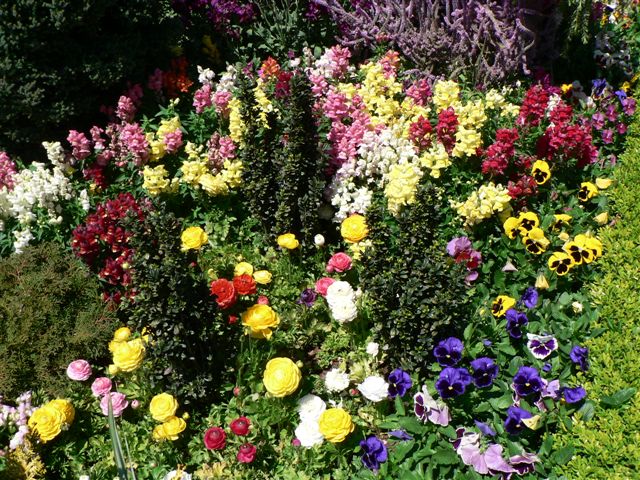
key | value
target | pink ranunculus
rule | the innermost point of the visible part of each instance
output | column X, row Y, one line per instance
column 101, row 386
column 79, row 370
column 340, row 262
column 323, row 284
column 263, row 300
column 118, row 403
column 247, row 453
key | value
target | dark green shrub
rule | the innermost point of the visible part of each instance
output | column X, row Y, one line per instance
column 191, row 348
column 416, row 292
column 60, row 60
column 51, row 313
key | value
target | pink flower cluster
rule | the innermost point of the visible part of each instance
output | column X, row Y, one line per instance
column 500, row 152
column 80, row 144
column 7, row 171
column 420, row 92
column 202, row 98
column 221, row 148
column 533, row 106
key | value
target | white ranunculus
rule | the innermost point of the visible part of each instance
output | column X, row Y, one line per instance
column 173, row 475
column 308, row 432
column 374, row 388
column 310, row 407
column 339, row 292
column 336, row 381
column 318, row 240
column 344, row 311
column 373, row 349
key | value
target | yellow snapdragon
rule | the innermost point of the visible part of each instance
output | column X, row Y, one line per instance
column 483, row 203
column 435, row 159
column 446, row 93
column 401, row 188
column 155, row 180
column 236, row 124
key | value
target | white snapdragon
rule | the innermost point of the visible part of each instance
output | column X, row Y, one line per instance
column 374, row 388
column 22, row 239
column 84, row 200
column 206, row 76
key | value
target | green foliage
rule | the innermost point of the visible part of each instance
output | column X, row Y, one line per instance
column 608, row 446
column 60, row 60
column 190, row 346
column 51, row 313
column 416, row 292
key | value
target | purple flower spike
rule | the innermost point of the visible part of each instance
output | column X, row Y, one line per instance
column 530, row 297
column 374, row 452
column 515, row 321
column 580, row 356
column 484, row 372
column 452, row 382
column 527, row 382
column 574, row 395
column 541, row 346
column 448, row 352
column 513, row 423
column 399, row 382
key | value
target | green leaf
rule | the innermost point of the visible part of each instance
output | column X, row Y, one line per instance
column 446, row 456
column 117, row 446
column 502, row 402
column 399, row 406
column 546, row 446
column 587, row 410
column 619, row 398
column 563, row 455
column 401, row 450
column 565, row 299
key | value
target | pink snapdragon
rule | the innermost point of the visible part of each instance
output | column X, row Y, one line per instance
column 202, row 98
column 133, row 138
column 126, row 110
column 173, row 141
column 7, row 171
column 221, row 100
column 80, row 143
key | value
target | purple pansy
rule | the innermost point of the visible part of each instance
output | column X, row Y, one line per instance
column 580, row 356
column 574, row 395
column 426, row 408
column 374, row 452
column 458, row 245
column 307, row 297
column 599, row 84
column 452, row 382
column 484, row 372
column 621, row 94
column 529, row 297
column 468, row 446
column 628, row 106
column 448, row 352
column 524, row 463
column 513, row 423
column 515, row 321
column 399, row 382
column 541, row 346
column 485, row 429
column 527, row 381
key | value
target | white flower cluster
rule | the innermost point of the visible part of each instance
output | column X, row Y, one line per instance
column 228, row 79
column 206, row 76
column 342, row 301
column 310, row 408
column 336, row 380
column 34, row 189
column 348, row 198
column 56, row 155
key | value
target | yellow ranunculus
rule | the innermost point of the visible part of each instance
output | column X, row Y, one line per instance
column 127, row 356
column 335, row 424
column 158, row 433
column 65, row 407
column 243, row 268
column 122, row 334
column 172, row 427
column 193, row 238
column 288, row 241
column 263, row 277
column 354, row 228
column 47, row 422
column 281, row 377
column 163, row 407
column 260, row 319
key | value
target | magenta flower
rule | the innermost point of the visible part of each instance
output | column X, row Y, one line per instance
column 340, row 262
column 79, row 370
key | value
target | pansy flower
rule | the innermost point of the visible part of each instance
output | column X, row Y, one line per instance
column 529, row 297
column 452, row 382
column 578, row 252
column 485, row 371
column 541, row 346
column 560, row 219
column 524, row 463
column 399, row 382
column 535, row 242
column 590, row 243
column 527, row 381
column 515, row 321
column 448, row 352
column 587, row 191
column 511, row 227
column 573, row 395
column 514, row 424
column 580, row 356
column 501, row 304
column 374, row 452
column 426, row 408
column 560, row 263
column 528, row 221
column 540, row 172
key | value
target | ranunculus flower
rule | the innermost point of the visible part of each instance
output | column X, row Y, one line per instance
column 79, row 370
column 47, row 422
column 215, row 438
column 122, row 334
column 323, row 284
column 448, row 352
column 335, row 424
column 263, row 277
column 244, row 284
column 307, row 297
column 193, row 238
column 340, row 262
column 174, row 475
column 118, row 403
column 310, row 407
column 308, row 433
column 172, row 427
column 65, row 407
column 163, row 406
column 243, row 268
column 260, row 319
column 101, row 386
column 225, row 293
column 288, row 241
column 374, row 388
column 354, row 228
column 240, row 426
column 128, row 356
column 281, row 377
column 399, row 383
column 335, row 380
column 247, row 453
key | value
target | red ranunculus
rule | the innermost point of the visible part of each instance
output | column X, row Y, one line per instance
column 247, row 453
column 225, row 293
column 215, row 438
column 244, row 284
column 240, row 426
column 340, row 262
